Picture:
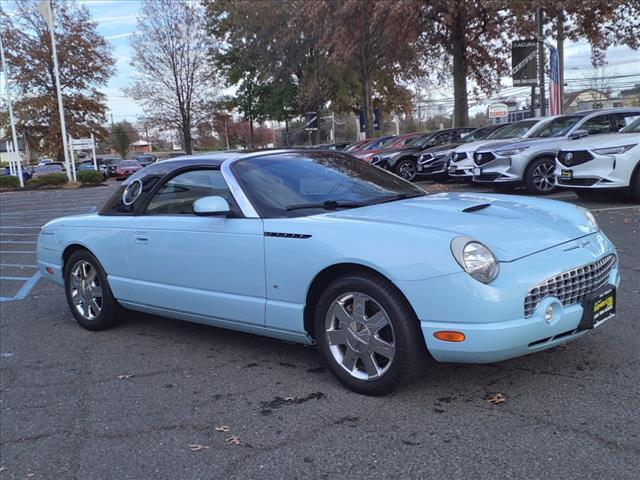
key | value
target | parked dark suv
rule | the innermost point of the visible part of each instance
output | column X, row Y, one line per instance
column 404, row 161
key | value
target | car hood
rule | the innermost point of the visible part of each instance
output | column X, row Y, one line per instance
column 473, row 146
column 603, row 141
column 441, row 148
column 511, row 226
column 524, row 142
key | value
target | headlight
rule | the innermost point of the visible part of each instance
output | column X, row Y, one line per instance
column 511, row 151
column 475, row 259
column 613, row 150
column 590, row 217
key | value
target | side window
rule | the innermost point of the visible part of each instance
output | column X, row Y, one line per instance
column 621, row 120
column 595, row 125
column 176, row 197
column 442, row 138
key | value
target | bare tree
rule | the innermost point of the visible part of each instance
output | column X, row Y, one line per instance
column 599, row 80
column 175, row 85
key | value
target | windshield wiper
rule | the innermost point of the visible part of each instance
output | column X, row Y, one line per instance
column 400, row 196
column 326, row 205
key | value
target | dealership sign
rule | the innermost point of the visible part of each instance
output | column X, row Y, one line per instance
column 524, row 63
column 498, row 110
column 82, row 143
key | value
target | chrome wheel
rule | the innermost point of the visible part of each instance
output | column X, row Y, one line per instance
column 407, row 170
column 86, row 291
column 360, row 336
column 543, row 177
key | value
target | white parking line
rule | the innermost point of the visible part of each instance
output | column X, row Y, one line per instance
column 615, row 208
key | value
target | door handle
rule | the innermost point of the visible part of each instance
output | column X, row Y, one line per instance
column 141, row 238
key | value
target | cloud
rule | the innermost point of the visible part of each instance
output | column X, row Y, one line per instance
column 118, row 19
column 120, row 35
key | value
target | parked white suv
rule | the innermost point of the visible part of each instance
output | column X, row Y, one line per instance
column 602, row 162
column 532, row 161
column 461, row 159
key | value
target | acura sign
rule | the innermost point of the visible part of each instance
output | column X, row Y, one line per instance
column 524, row 63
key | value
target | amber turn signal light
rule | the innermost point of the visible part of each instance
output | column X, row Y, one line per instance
column 450, row 336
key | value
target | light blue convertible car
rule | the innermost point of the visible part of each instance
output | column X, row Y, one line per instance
column 320, row 248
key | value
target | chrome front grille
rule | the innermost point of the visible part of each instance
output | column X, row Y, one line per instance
column 572, row 286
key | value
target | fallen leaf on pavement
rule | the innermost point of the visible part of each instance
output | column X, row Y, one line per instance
column 628, row 221
column 223, row 428
column 496, row 398
column 195, row 447
column 124, row 377
column 233, row 440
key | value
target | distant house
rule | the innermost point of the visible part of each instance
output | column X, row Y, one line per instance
column 591, row 98
column 4, row 156
column 141, row 146
column 586, row 99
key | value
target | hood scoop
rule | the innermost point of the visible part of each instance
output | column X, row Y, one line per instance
column 475, row 208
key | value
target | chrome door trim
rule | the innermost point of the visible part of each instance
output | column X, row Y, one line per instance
column 236, row 190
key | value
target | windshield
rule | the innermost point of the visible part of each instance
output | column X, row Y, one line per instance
column 479, row 134
column 633, row 127
column 49, row 168
column 377, row 143
column 129, row 163
column 515, row 130
column 299, row 184
column 420, row 141
column 557, row 127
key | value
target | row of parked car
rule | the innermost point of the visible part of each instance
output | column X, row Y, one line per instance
column 588, row 152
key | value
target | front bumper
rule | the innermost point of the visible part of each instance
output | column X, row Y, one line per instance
column 461, row 169
column 500, row 170
column 603, row 172
column 433, row 166
column 492, row 316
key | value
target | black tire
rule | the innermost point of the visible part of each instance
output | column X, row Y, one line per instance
column 634, row 187
column 410, row 352
column 110, row 312
column 503, row 187
column 530, row 173
column 407, row 169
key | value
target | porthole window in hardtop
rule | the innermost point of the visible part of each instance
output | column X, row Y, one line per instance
column 132, row 192
column 176, row 197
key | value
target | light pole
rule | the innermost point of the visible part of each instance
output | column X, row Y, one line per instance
column 16, row 150
column 44, row 7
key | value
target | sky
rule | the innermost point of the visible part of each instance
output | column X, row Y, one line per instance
column 117, row 19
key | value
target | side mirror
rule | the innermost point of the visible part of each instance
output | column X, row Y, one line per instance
column 578, row 134
column 211, row 206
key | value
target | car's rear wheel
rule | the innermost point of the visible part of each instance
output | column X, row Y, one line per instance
column 539, row 177
column 88, row 293
column 406, row 169
column 368, row 334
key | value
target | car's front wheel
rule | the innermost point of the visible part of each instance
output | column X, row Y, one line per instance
column 406, row 169
column 539, row 178
column 88, row 293
column 368, row 334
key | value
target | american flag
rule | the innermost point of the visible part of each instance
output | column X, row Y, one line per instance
column 554, row 83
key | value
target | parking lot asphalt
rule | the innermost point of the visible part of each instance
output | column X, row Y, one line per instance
column 160, row 398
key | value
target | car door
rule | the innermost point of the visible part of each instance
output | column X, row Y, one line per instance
column 208, row 266
column 597, row 124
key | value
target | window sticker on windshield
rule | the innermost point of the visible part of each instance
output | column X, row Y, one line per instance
column 132, row 192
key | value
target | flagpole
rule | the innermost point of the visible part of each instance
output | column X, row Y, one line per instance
column 12, row 121
column 50, row 22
